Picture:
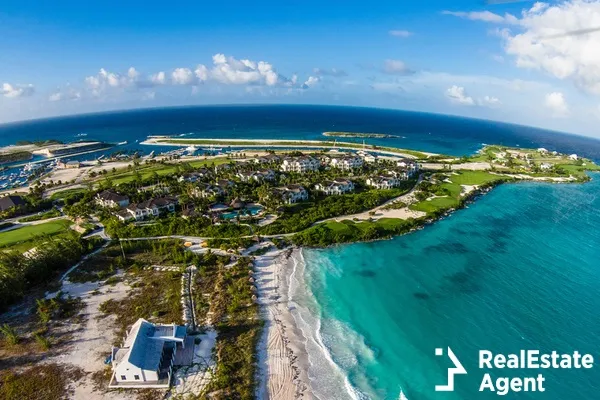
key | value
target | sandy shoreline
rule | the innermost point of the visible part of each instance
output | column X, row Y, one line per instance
column 282, row 356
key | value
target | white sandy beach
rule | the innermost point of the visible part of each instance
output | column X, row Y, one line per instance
column 282, row 357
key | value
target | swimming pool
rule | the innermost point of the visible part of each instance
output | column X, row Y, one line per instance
column 254, row 209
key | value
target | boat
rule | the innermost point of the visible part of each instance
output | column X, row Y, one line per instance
column 121, row 143
column 32, row 167
column 191, row 149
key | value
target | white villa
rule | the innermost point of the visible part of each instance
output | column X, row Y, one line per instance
column 147, row 356
column 257, row 176
column 269, row 158
column 336, row 186
column 542, row 150
column 573, row 157
column 368, row 157
column 208, row 190
column 411, row 166
column 148, row 208
column 300, row 164
column 383, row 182
column 195, row 176
column 347, row 162
column 545, row 166
column 292, row 193
column 108, row 198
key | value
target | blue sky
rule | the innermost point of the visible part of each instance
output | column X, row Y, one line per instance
column 508, row 62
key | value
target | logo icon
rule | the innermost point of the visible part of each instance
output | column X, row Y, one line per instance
column 458, row 369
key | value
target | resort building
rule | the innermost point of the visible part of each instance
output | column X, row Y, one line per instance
column 545, row 166
column 256, row 176
column 268, row 159
column 542, row 150
column 368, row 157
column 225, row 184
column 300, row 164
column 148, row 208
column 110, row 199
column 383, row 182
column 195, row 176
column 336, row 186
column 573, row 157
column 346, row 163
column 147, row 356
column 409, row 165
column 208, row 190
column 292, row 193
column 400, row 173
column 68, row 164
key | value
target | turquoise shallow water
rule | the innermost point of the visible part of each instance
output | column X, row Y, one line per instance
column 519, row 269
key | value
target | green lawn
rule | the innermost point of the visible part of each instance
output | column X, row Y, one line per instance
column 22, row 239
column 464, row 177
column 65, row 193
column 146, row 171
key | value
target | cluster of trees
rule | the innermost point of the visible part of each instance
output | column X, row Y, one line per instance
column 321, row 235
column 302, row 216
column 19, row 272
column 173, row 225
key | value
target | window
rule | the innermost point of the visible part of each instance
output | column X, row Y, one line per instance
column 123, row 378
column 136, row 377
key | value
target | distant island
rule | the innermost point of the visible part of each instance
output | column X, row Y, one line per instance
column 361, row 135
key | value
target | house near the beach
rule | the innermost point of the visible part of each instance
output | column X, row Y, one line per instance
column 300, row 164
column 335, row 187
column 545, row 166
column 195, row 176
column 346, row 162
column 147, row 356
column 411, row 166
column 573, row 157
column 383, row 182
column 110, row 199
column 209, row 190
column 292, row 193
column 256, row 176
column 148, row 208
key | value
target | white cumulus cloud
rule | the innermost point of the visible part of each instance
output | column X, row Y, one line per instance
column 310, row 82
column 457, row 94
column 330, row 72
column 561, row 40
column 14, row 91
column 557, row 103
column 182, row 76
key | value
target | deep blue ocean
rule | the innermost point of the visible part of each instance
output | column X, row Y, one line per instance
column 518, row 269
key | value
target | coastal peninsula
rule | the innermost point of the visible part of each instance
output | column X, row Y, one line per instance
column 213, row 244
column 361, row 135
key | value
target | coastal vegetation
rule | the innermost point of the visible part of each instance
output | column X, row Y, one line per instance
column 41, row 216
column 360, row 135
column 15, row 156
column 20, row 273
column 292, row 143
column 235, row 316
column 300, row 216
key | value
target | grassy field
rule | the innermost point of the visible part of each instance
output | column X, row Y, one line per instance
column 65, row 193
column 453, row 200
column 22, row 239
column 146, row 171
